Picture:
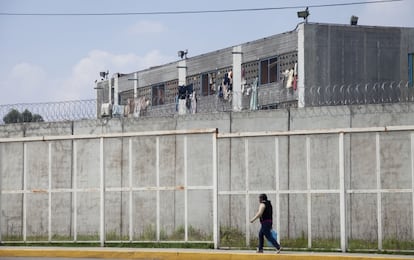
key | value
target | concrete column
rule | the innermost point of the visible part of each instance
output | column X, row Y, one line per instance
column 237, row 62
column 182, row 76
column 110, row 90
column 182, row 72
column 135, row 85
column 301, row 65
column 116, row 89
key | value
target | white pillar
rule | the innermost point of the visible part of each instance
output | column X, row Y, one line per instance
column 301, row 65
column 102, row 194
column 131, row 222
column 135, row 85
column 182, row 80
column 182, row 72
column 110, row 90
column 379, row 197
column 309, row 194
column 237, row 62
column 216, row 223
column 116, row 89
column 342, row 195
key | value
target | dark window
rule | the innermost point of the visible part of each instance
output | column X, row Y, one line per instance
column 208, row 84
column 204, row 85
column 158, row 95
column 411, row 69
column 268, row 71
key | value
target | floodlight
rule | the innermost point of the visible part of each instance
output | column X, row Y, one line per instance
column 182, row 54
column 103, row 74
column 304, row 14
column 354, row 20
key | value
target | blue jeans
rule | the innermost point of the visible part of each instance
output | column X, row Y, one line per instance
column 265, row 231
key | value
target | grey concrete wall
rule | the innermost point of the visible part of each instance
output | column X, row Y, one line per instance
column 369, row 54
column 360, row 171
column 341, row 54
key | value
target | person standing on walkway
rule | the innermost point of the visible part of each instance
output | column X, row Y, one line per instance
column 265, row 213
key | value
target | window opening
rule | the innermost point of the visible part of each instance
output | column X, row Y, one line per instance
column 158, row 95
column 268, row 71
column 208, row 84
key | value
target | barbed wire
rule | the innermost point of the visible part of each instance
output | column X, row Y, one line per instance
column 357, row 94
column 55, row 111
column 268, row 97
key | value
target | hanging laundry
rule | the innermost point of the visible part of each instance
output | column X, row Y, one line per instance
column 117, row 110
column 226, row 87
column 182, row 110
column 289, row 82
column 141, row 105
column 253, row 97
column 231, row 80
column 220, row 91
column 129, row 108
column 295, row 77
column 182, row 92
column 225, row 92
column 193, row 103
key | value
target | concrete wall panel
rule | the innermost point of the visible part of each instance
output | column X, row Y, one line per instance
column 62, row 159
column 396, row 169
column 62, row 216
column 297, row 226
column 297, row 167
column 397, row 217
column 37, row 165
column 363, row 158
column 261, row 164
column 11, row 166
column 144, row 215
column 37, row 205
column 88, row 215
column 363, row 220
column 168, row 228
column 116, row 215
column 12, row 216
column 324, row 172
column 325, row 217
column 88, row 163
column 200, row 214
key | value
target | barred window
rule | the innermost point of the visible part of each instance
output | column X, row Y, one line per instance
column 268, row 71
column 158, row 95
column 208, row 84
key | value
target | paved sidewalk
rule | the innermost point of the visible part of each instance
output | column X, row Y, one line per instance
column 181, row 254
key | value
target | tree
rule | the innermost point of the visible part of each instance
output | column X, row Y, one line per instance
column 14, row 116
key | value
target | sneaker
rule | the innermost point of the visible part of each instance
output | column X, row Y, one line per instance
column 278, row 250
column 259, row 251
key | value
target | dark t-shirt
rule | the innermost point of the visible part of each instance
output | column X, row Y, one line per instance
column 267, row 213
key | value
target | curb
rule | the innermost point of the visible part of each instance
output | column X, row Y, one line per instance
column 161, row 254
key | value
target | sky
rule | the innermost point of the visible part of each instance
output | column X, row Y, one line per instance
column 47, row 58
